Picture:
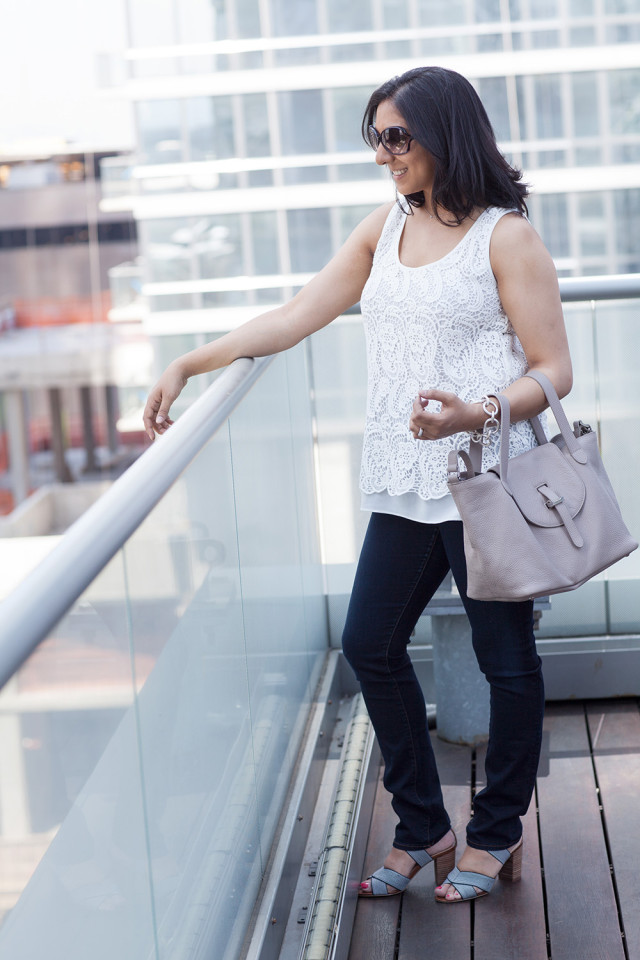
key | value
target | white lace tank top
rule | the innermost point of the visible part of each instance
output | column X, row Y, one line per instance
column 438, row 326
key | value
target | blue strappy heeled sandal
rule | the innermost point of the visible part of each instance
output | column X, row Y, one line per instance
column 465, row 882
column 443, row 862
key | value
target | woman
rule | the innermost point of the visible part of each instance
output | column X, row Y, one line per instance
column 459, row 298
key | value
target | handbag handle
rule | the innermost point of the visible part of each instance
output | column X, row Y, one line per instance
column 475, row 447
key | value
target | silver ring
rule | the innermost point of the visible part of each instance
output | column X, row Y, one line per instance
column 420, row 432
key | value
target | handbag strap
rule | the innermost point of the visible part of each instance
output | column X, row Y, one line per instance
column 561, row 418
column 475, row 446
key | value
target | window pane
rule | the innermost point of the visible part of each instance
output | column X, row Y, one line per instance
column 548, row 100
column 167, row 255
column 585, row 104
column 624, row 98
column 545, row 39
column 493, row 93
column 264, row 233
column 256, row 125
column 247, row 18
column 346, row 17
column 440, row 12
column 627, row 206
column 217, row 244
column 210, row 126
column 309, row 239
column 395, row 14
column 293, row 19
column 581, row 8
column 348, row 108
column 523, row 116
column 622, row 6
column 301, row 122
column 542, row 9
column 592, row 226
column 487, row 11
column 555, row 218
column 160, row 134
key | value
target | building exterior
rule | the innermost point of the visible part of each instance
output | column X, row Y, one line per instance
column 58, row 346
column 250, row 169
column 250, row 165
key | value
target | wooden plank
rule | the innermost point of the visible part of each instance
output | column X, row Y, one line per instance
column 615, row 735
column 580, row 902
column 509, row 924
column 376, row 921
column 430, row 929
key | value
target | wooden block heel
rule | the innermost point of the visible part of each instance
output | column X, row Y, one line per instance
column 443, row 864
column 512, row 870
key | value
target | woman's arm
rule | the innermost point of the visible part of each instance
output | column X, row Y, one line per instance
column 529, row 292
column 336, row 288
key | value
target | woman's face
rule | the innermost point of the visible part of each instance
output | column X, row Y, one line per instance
column 412, row 171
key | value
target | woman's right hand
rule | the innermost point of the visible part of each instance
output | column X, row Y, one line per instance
column 156, row 412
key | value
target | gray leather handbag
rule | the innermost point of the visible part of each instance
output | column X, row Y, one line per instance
column 540, row 523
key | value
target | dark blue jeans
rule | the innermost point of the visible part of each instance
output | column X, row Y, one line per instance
column 401, row 566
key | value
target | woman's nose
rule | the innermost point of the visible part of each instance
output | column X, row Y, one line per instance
column 382, row 155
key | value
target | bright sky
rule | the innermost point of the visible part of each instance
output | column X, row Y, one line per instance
column 49, row 71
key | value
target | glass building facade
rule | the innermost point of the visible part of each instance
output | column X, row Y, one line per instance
column 250, row 162
column 251, row 170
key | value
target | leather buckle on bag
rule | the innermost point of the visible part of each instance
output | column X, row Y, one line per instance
column 551, row 499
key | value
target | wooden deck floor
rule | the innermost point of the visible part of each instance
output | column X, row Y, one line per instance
column 579, row 898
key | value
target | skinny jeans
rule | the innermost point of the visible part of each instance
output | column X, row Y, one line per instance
column 402, row 564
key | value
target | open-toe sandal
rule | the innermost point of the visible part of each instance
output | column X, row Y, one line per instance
column 465, row 882
column 443, row 861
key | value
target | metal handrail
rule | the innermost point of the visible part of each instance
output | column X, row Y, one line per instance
column 621, row 286
column 31, row 611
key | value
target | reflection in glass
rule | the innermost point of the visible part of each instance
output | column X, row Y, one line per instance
column 160, row 132
column 210, row 128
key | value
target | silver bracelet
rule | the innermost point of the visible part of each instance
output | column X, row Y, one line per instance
column 491, row 425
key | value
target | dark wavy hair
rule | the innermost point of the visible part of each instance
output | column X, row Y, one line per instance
column 446, row 116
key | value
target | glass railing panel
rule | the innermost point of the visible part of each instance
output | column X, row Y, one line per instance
column 216, row 583
column 605, row 352
column 603, row 340
column 158, row 798
column 73, row 853
column 299, row 380
column 340, row 378
column 584, row 611
column 196, row 731
column 617, row 326
column 282, row 643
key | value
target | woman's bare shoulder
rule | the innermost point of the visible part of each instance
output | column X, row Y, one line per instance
column 514, row 238
column 513, row 227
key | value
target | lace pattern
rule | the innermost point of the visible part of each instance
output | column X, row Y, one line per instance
column 438, row 326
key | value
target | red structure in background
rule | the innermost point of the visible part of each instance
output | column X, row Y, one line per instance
column 56, row 311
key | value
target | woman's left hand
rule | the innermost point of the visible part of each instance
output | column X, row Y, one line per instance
column 454, row 416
